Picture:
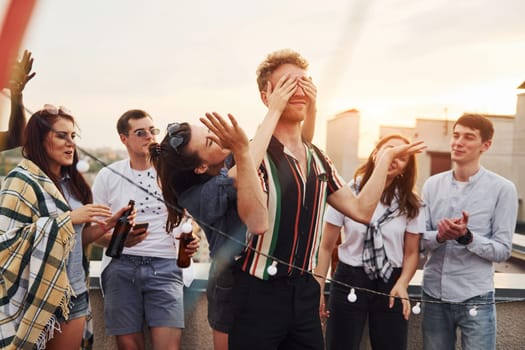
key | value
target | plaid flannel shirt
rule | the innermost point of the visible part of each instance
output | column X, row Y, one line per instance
column 36, row 236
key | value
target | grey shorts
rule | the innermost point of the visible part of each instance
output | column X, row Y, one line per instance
column 142, row 289
column 219, row 293
column 79, row 308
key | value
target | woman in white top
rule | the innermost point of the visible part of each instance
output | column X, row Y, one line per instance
column 381, row 256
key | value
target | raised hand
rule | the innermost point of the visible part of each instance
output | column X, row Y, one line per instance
column 308, row 127
column 279, row 95
column 405, row 149
column 227, row 135
column 310, row 90
column 21, row 73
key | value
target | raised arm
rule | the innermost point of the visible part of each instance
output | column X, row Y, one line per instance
column 275, row 98
column 361, row 207
column 251, row 199
column 21, row 74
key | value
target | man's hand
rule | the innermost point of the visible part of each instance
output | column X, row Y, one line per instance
column 136, row 236
column 452, row 229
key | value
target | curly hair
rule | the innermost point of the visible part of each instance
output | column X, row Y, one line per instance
column 275, row 60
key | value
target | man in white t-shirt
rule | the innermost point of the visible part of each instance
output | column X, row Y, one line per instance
column 144, row 286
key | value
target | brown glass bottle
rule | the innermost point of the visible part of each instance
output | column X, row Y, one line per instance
column 183, row 260
column 120, row 233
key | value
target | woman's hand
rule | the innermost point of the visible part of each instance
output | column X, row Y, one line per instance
column 400, row 292
column 92, row 213
column 193, row 246
column 227, row 135
column 404, row 150
column 310, row 90
column 324, row 313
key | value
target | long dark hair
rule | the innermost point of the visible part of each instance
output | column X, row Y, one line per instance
column 38, row 127
column 402, row 186
column 175, row 166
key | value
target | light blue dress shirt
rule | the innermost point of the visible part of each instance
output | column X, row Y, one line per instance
column 455, row 272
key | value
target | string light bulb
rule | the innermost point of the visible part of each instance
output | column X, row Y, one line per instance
column 416, row 309
column 474, row 311
column 272, row 269
column 352, row 297
column 82, row 166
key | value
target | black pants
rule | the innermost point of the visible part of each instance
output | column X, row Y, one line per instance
column 387, row 327
column 280, row 314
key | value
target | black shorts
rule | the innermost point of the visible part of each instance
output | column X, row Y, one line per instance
column 219, row 293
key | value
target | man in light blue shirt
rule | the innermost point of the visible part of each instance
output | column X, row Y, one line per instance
column 471, row 215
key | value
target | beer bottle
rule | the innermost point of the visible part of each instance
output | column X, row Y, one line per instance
column 183, row 260
column 120, row 233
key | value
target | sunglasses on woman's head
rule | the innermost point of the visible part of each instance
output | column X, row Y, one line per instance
column 175, row 140
column 54, row 110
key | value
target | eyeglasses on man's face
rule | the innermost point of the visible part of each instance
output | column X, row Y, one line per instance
column 175, row 139
column 144, row 132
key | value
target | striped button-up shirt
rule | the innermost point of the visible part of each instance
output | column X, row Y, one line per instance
column 296, row 204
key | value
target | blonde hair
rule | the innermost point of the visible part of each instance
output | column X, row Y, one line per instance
column 274, row 60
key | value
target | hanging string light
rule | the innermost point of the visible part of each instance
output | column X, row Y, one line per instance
column 416, row 309
column 352, row 297
column 272, row 269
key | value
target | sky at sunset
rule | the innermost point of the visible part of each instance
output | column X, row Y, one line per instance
column 394, row 60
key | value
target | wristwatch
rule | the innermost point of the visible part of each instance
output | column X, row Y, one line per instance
column 465, row 239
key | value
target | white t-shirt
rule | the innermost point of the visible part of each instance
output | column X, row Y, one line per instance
column 113, row 190
column 351, row 249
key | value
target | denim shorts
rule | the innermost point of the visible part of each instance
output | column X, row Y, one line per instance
column 142, row 290
column 219, row 293
column 79, row 308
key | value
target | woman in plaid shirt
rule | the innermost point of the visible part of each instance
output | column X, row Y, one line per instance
column 46, row 213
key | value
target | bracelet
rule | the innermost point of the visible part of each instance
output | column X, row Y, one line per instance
column 465, row 239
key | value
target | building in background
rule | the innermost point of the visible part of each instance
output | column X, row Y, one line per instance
column 342, row 142
column 505, row 157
